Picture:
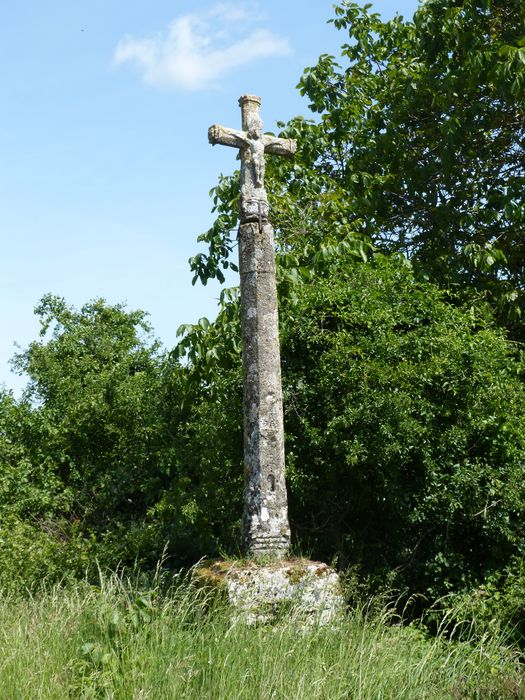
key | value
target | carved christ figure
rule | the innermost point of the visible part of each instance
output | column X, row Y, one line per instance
column 253, row 144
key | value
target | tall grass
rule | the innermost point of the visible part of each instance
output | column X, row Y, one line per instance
column 113, row 641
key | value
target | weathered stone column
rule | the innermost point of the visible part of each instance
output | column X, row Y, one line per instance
column 266, row 531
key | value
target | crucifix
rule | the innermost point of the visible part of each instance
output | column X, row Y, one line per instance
column 265, row 527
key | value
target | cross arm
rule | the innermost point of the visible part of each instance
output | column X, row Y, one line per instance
column 280, row 147
column 227, row 137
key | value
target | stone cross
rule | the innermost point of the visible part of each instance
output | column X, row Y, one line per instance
column 265, row 528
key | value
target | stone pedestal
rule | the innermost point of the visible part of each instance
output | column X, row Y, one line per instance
column 260, row 593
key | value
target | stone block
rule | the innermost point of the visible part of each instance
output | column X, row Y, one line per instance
column 261, row 593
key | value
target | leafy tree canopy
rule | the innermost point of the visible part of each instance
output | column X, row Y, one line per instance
column 419, row 148
column 86, row 440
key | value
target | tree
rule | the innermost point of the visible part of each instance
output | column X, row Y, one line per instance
column 405, row 429
column 419, row 147
column 114, row 453
column 94, row 381
column 88, row 450
column 404, row 423
column 426, row 125
column 404, row 419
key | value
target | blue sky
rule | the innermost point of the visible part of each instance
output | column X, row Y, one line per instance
column 105, row 167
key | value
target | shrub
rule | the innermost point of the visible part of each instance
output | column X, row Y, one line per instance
column 405, row 428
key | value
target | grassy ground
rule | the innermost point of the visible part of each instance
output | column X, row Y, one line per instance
column 112, row 642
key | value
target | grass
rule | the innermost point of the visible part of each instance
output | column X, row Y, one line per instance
column 113, row 641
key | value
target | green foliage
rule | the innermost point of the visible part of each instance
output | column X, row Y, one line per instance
column 94, row 388
column 219, row 237
column 199, row 511
column 117, row 450
column 29, row 485
column 37, row 550
column 498, row 603
column 405, row 428
column 422, row 126
column 84, row 452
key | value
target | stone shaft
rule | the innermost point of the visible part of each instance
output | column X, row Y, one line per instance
column 266, row 531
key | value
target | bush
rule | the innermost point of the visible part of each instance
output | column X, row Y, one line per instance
column 405, row 428
column 42, row 552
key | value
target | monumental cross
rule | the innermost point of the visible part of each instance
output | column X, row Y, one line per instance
column 265, row 528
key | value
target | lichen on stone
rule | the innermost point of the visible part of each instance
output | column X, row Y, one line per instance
column 263, row 593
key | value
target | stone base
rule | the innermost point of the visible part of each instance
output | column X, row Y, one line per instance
column 260, row 593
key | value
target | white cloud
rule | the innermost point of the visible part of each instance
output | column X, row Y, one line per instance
column 197, row 50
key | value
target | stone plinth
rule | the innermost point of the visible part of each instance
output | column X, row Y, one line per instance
column 260, row 593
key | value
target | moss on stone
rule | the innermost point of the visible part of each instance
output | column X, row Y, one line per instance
column 296, row 574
